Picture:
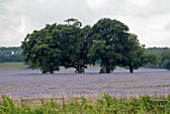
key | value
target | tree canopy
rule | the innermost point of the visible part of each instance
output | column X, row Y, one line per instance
column 133, row 54
column 57, row 45
column 108, row 38
column 74, row 45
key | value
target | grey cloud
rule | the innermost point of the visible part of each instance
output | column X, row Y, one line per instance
column 19, row 17
column 167, row 27
column 36, row 14
column 156, row 7
column 125, row 8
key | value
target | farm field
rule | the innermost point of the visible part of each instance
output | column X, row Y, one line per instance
column 12, row 65
column 26, row 83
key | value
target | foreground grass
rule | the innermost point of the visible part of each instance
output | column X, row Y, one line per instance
column 12, row 65
column 104, row 105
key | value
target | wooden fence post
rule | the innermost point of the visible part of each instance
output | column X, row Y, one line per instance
column 63, row 101
column 42, row 101
column 22, row 102
column 52, row 102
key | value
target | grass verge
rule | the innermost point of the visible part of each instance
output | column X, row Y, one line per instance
column 104, row 105
column 12, row 65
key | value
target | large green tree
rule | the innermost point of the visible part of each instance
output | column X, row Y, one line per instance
column 58, row 45
column 109, row 37
column 133, row 55
column 41, row 51
column 74, row 45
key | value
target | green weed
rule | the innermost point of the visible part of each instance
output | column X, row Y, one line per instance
column 105, row 105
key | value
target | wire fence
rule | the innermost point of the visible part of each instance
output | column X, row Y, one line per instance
column 41, row 101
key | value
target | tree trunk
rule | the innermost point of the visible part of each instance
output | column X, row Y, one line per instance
column 79, row 70
column 51, row 72
column 104, row 70
column 44, row 72
column 131, row 69
column 107, row 70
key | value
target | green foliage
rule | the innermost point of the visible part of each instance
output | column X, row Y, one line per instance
column 74, row 48
column 105, row 105
column 40, row 50
column 57, row 45
column 114, row 46
column 165, row 59
column 150, row 58
column 109, row 37
column 133, row 53
column 71, row 45
column 160, row 55
column 7, row 106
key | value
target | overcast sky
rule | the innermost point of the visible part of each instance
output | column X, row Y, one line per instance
column 149, row 19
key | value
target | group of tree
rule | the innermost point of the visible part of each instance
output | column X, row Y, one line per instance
column 76, row 46
column 10, row 54
column 161, row 57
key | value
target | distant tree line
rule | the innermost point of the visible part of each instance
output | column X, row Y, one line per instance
column 10, row 54
column 159, row 56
